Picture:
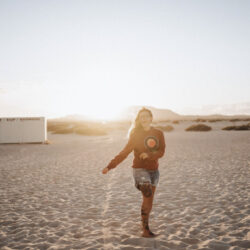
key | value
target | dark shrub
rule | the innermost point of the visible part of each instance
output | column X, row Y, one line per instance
column 240, row 127
column 198, row 127
column 55, row 126
column 240, row 120
column 200, row 120
column 215, row 120
column 82, row 128
column 235, row 120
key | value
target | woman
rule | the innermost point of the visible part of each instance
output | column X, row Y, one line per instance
column 149, row 145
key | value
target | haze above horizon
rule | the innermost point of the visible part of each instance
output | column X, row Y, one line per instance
column 96, row 58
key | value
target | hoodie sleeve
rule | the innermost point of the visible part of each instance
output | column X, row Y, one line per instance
column 122, row 155
column 160, row 152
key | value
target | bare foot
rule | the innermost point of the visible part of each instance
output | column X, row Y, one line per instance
column 148, row 234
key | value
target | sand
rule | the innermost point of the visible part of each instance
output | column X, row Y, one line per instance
column 55, row 196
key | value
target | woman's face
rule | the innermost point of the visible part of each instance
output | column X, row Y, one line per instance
column 145, row 119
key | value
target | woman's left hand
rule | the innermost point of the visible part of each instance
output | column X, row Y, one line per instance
column 105, row 170
column 143, row 155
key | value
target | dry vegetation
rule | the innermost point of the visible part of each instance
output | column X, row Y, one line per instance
column 200, row 120
column 198, row 127
column 240, row 127
column 98, row 128
column 216, row 120
column 240, row 120
column 69, row 127
column 221, row 120
column 85, row 127
column 175, row 122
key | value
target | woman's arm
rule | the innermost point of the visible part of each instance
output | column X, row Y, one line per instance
column 122, row 155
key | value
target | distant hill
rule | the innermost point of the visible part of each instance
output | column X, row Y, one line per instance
column 130, row 113
column 167, row 114
column 158, row 114
column 214, row 117
column 222, row 109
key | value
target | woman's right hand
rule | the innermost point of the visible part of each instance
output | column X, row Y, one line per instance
column 105, row 170
column 143, row 156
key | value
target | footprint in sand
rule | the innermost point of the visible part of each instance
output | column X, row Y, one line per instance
column 107, row 235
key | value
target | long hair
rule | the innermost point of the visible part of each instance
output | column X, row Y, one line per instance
column 136, row 125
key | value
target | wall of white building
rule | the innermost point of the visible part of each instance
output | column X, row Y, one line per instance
column 23, row 129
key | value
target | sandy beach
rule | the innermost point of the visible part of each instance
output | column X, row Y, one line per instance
column 55, row 196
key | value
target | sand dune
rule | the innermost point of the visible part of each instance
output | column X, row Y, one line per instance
column 55, row 197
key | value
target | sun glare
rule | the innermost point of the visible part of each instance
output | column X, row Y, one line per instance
column 95, row 105
column 104, row 113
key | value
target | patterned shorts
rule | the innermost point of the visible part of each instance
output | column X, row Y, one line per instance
column 142, row 175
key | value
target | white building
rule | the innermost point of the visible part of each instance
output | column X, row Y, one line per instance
column 23, row 130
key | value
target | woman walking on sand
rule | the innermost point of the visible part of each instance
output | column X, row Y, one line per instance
column 148, row 144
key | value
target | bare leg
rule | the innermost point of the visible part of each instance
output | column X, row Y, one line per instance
column 148, row 195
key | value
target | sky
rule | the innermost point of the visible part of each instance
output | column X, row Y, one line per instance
column 94, row 58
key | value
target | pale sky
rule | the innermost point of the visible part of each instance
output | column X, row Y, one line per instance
column 96, row 57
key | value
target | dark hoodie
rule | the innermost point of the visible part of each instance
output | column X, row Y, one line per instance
column 151, row 142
